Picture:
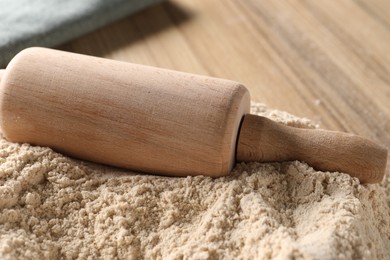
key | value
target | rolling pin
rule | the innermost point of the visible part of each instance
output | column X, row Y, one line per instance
column 159, row 121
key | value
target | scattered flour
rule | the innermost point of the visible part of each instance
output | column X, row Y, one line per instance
column 54, row 207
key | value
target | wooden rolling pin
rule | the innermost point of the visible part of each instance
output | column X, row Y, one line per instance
column 159, row 121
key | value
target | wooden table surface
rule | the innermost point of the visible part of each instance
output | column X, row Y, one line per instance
column 325, row 60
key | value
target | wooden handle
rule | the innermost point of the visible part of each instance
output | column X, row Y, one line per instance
column 263, row 140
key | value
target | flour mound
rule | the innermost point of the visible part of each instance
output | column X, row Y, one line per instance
column 55, row 207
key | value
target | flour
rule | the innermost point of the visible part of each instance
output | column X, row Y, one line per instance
column 55, row 207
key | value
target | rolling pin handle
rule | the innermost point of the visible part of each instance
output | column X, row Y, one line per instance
column 261, row 139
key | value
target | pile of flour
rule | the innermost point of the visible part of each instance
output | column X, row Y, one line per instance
column 54, row 207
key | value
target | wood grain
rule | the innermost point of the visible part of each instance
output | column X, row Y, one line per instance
column 122, row 114
column 325, row 60
column 263, row 140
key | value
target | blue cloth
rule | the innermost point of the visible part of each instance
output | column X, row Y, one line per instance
column 48, row 23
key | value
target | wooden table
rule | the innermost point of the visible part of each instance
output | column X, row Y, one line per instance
column 325, row 60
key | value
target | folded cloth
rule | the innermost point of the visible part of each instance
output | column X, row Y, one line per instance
column 25, row 23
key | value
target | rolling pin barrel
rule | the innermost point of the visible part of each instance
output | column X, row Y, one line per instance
column 132, row 116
